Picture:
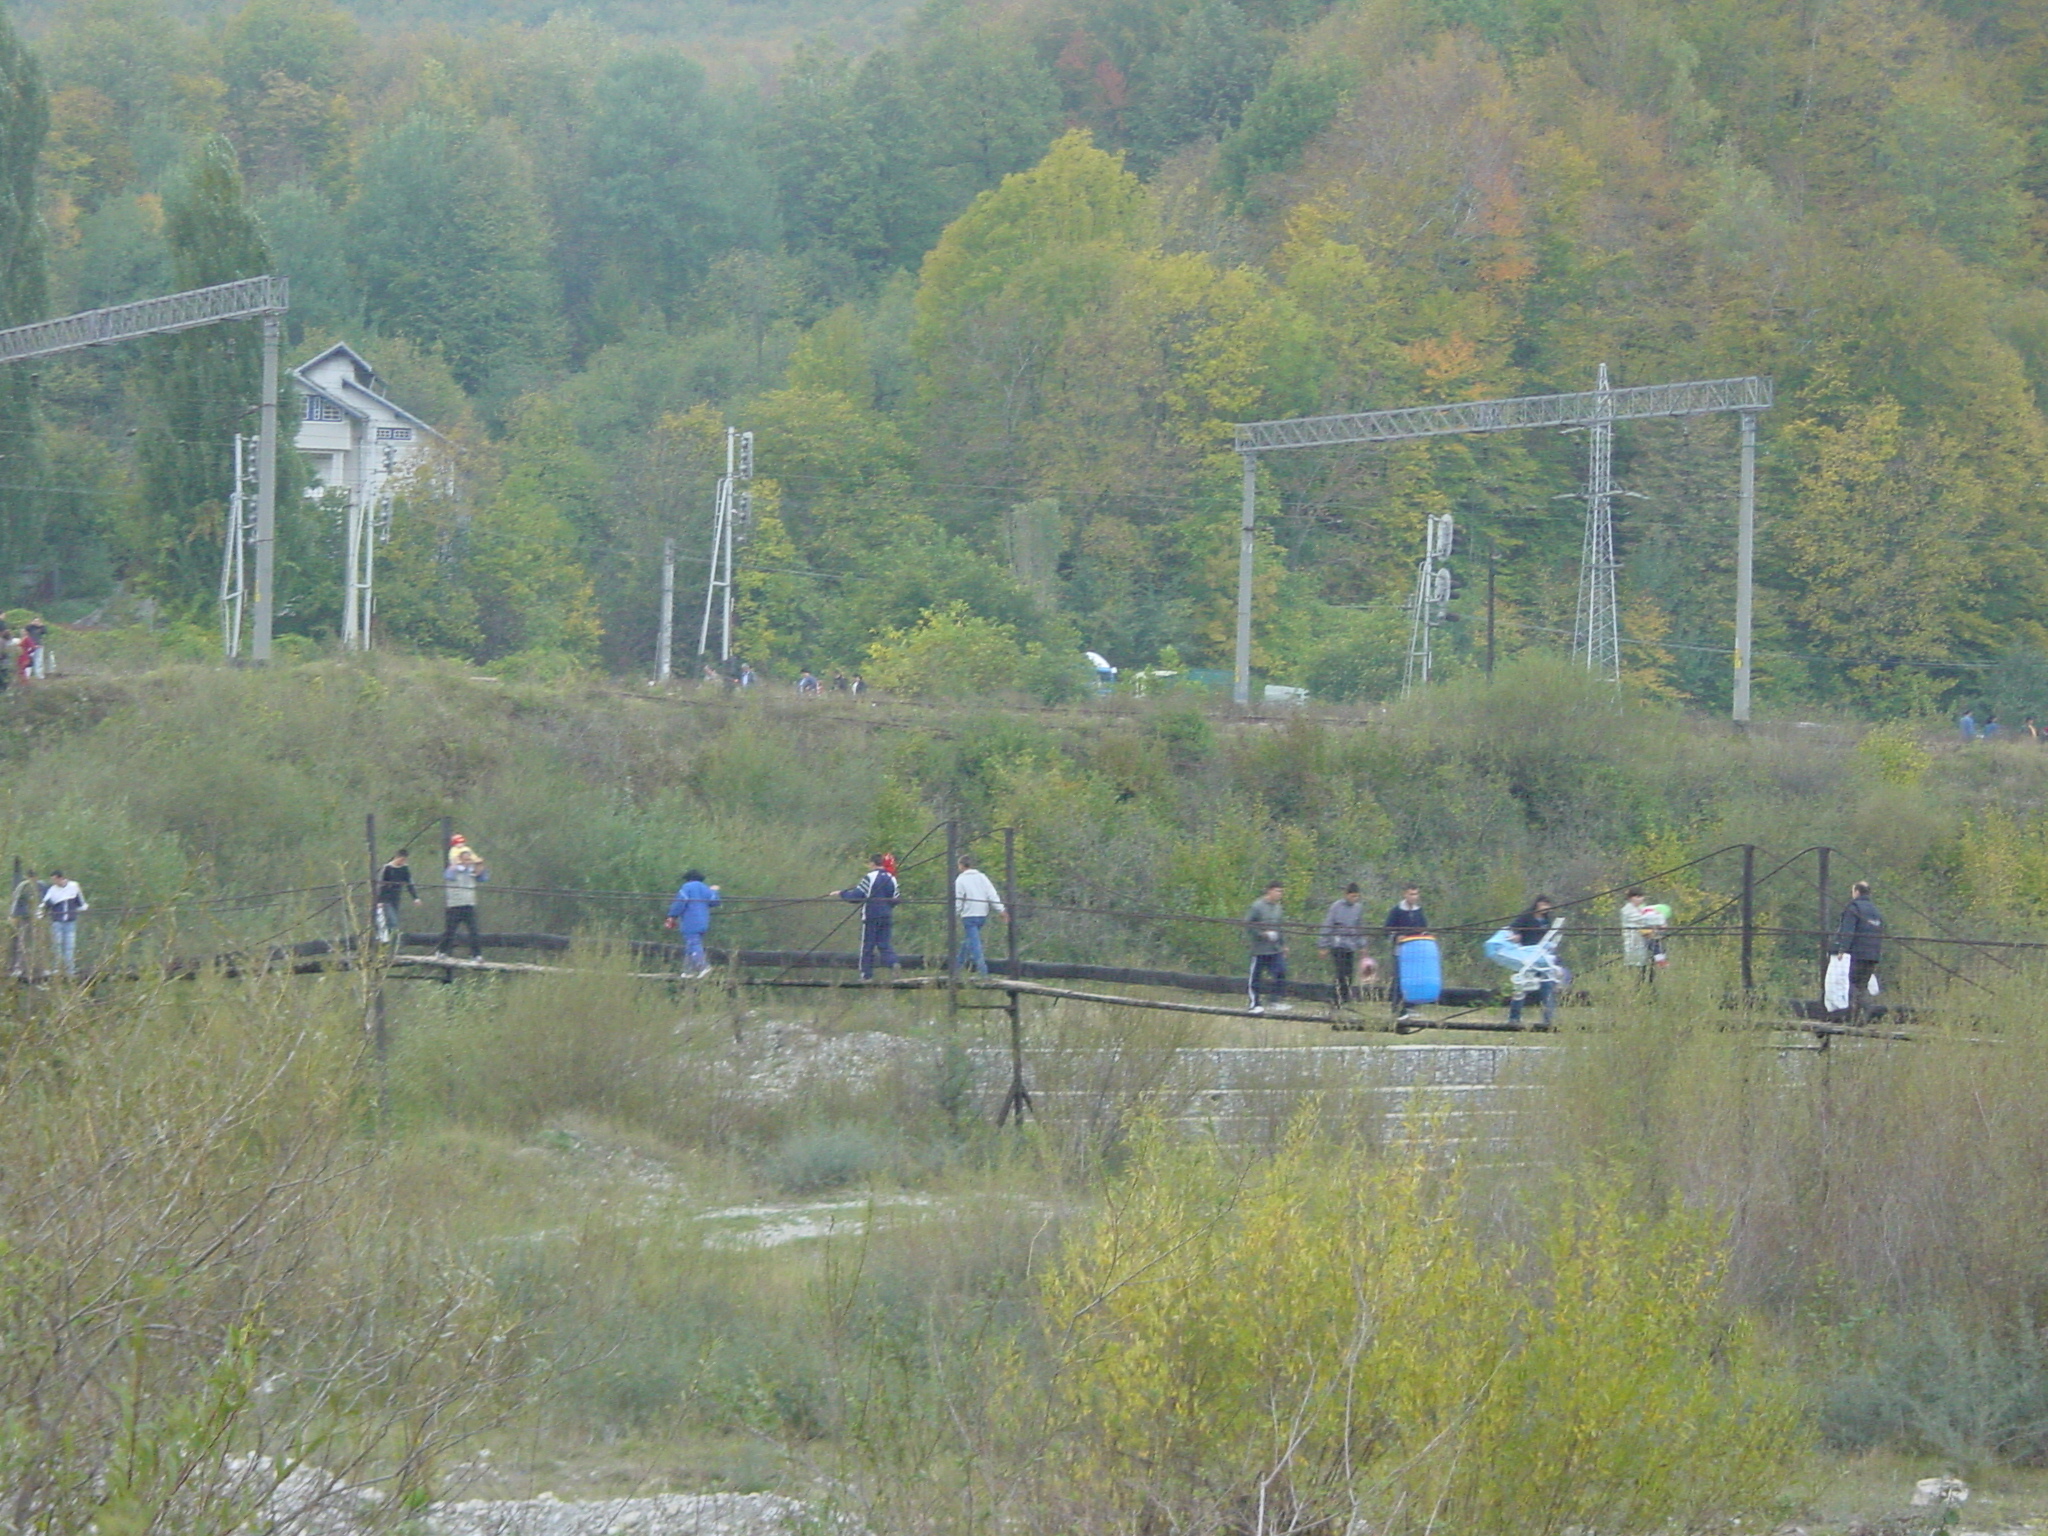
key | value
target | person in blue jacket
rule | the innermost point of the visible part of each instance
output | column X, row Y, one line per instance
column 690, row 913
column 877, row 894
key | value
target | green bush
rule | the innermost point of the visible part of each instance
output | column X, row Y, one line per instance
column 813, row 1160
column 1937, row 1384
column 1284, row 1345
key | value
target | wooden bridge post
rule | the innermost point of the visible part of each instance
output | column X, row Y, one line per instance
column 1824, row 854
column 1748, row 918
column 952, row 923
column 1018, row 1099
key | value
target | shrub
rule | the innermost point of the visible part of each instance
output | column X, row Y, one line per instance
column 813, row 1160
column 1325, row 1339
column 1934, row 1383
column 955, row 653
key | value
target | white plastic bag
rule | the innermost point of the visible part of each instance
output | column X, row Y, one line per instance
column 1871, row 985
column 1835, row 992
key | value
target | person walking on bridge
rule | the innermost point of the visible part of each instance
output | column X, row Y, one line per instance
column 63, row 901
column 1404, row 917
column 394, row 884
column 690, row 915
column 876, row 891
column 465, row 872
column 1342, row 937
column 1860, row 936
column 976, row 899
column 1530, row 929
column 1266, row 924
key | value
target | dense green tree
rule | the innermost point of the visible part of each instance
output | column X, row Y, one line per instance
column 143, row 63
column 1957, row 170
column 669, row 186
column 201, row 385
column 308, row 241
column 1293, row 105
column 24, row 120
column 850, row 146
column 453, row 247
column 1198, row 85
column 991, row 105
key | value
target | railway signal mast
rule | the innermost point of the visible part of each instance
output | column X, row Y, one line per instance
column 730, row 517
column 1431, row 604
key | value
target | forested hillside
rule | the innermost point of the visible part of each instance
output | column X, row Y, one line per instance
column 989, row 294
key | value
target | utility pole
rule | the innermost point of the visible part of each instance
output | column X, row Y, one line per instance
column 1596, row 630
column 1429, row 605
column 1745, row 566
column 266, row 492
column 665, row 633
column 1241, row 677
column 1492, row 559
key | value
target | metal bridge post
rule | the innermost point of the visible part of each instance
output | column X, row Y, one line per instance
column 1748, row 917
column 1824, row 918
column 1018, row 1099
column 952, row 922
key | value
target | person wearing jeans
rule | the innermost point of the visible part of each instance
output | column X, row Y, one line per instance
column 62, row 903
column 459, row 881
column 1531, row 928
column 975, row 898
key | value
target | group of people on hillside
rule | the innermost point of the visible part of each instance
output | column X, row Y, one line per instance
column 22, row 652
column 1987, row 727
column 733, row 675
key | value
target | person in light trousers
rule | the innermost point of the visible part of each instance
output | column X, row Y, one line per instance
column 975, row 898
column 62, row 903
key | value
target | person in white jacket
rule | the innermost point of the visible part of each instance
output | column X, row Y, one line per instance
column 975, row 897
column 62, row 902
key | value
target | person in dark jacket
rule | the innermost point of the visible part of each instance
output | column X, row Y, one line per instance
column 1404, row 917
column 394, row 883
column 1530, row 927
column 1342, row 937
column 1860, row 936
column 876, row 891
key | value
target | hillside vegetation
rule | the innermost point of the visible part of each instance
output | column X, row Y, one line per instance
column 626, row 1235
column 989, row 295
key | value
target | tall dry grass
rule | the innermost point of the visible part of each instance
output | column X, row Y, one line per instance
column 203, row 1268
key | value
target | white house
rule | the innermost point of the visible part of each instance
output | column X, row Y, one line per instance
column 350, row 434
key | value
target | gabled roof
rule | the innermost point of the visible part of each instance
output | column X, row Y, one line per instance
column 358, row 384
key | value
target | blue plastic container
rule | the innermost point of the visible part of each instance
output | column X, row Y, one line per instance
column 1420, row 965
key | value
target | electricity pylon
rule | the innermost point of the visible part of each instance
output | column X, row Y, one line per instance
column 1596, row 629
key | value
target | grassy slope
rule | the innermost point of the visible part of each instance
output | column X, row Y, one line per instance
column 566, row 1137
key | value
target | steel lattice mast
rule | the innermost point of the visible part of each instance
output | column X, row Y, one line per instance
column 731, row 516
column 1596, row 629
column 249, row 298
column 1430, row 603
column 1601, row 407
